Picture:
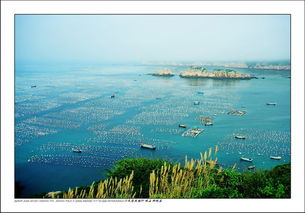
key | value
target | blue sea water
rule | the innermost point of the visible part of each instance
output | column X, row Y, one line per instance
column 70, row 107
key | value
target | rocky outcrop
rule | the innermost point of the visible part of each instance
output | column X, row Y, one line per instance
column 164, row 72
column 219, row 74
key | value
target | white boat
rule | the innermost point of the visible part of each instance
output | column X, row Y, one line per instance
column 240, row 136
column 147, row 146
column 251, row 167
column 208, row 123
column 196, row 102
column 246, row 159
column 275, row 157
column 271, row 103
column 77, row 150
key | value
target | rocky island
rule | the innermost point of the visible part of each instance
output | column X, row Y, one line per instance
column 164, row 72
column 200, row 72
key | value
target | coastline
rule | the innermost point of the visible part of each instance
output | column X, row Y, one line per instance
column 225, row 65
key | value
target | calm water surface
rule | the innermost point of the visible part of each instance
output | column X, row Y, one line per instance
column 71, row 108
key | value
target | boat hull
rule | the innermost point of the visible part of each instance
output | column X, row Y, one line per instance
column 275, row 158
column 240, row 137
column 246, row 159
column 147, row 146
column 251, row 167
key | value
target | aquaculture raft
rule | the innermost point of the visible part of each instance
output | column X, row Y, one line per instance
column 236, row 112
column 193, row 132
column 207, row 121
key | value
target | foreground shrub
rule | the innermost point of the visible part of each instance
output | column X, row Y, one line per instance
column 142, row 168
column 203, row 178
column 180, row 182
column 109, row 188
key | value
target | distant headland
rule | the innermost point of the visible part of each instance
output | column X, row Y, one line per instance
column 258, row 65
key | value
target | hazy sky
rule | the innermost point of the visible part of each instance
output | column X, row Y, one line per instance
column 120, row 38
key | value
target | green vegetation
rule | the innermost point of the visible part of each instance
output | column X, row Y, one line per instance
column 142, row 168
column 203, row 178
column 109, row 188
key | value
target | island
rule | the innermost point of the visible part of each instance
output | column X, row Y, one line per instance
column 164, row 72
column 200, row 72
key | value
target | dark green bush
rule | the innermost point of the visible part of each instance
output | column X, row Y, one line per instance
column 142, row 168
column 274, row 183
column 215, row 191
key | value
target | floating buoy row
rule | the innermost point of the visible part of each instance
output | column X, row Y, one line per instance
column 51, row 122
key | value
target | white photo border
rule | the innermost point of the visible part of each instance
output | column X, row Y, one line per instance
column 294, row 8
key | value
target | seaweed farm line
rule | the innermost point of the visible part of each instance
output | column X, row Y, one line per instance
column 106, row 112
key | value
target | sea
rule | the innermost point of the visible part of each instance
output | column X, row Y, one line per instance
column 60, row 107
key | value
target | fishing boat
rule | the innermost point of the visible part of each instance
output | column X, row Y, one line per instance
column 246, row 159
column 112, row 96
column 196, row 102
column 251, row 167
column 275, row 157
column 271, row 103
column 240, row 136
column 33, row 86
column 76, row 150
column 181, row 125
column 147, row 146
column 201, row 93
column 208, row 123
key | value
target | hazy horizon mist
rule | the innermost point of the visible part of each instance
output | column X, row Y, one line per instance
column 147, row 38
